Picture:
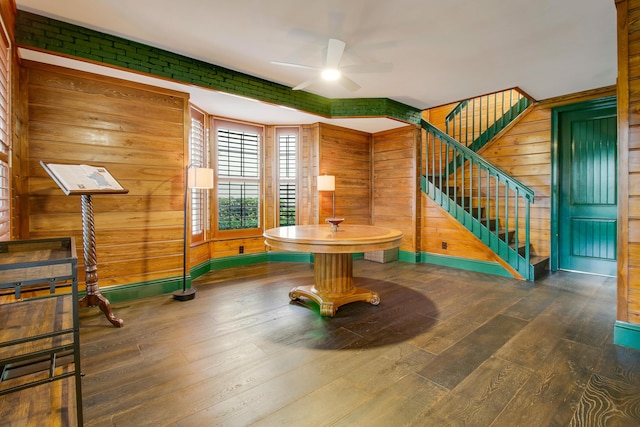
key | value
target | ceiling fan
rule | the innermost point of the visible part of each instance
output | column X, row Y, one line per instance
column 332, row 71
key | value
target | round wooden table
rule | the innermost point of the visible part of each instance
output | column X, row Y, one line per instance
column 332, row 259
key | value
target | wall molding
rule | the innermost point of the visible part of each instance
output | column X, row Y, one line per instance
column 626, row 334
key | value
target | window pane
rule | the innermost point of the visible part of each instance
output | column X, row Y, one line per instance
column 287, row 204
column 287, row 164
column 238, row 205
column 238, row 154
column 238, row 149
column 287, row 149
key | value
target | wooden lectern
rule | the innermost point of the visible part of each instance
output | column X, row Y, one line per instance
column 85, row 180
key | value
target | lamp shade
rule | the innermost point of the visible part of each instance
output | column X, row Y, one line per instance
column 200, row 177
column 326, row 183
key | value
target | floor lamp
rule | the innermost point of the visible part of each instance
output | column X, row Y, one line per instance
column 196, row 178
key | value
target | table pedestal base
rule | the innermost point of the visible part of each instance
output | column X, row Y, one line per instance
column 333, row 275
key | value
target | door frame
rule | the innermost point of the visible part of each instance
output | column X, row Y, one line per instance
column 604, row 102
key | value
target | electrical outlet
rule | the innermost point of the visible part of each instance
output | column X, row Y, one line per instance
column 444, row 245
column 240, row 249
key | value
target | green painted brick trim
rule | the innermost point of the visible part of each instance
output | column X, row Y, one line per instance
column 465, row 264
column 626, row 334
column 47, row 34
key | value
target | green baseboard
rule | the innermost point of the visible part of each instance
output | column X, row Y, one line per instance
column 275, row 256
column 238, row 260
column 626, row 334
column 151, row 288
column 163, row 286
column 412, row 257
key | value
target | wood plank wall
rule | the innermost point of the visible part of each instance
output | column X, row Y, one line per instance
column 309, row 166
column 346, row 154
column 396, row 185
column 138, row 133
column 628, row 296
column 524, row 152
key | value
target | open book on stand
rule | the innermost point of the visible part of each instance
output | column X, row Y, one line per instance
column 83, row 179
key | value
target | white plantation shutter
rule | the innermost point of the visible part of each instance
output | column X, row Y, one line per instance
column 287, row 139
column 198, row 150
column 238, row 171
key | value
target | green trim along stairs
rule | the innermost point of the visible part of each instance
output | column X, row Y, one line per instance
column 58, row 37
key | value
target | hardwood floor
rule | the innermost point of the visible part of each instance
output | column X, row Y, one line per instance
column 444, row 347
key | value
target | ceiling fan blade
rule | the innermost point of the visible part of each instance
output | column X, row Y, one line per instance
column 375, row 67
column 304, row 84
column 288, row 64
column 348, row 84
column 334, row 53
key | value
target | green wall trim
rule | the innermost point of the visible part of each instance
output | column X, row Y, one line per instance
column 626, row 334
column 139, row 290
column 465, row 264
column 276, row 256
column 238, row 260
column 200, row 269
column 47, row 34
column 132, row 291
column 412, row 257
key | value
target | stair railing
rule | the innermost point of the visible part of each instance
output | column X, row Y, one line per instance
column 475, row 121
column 494, row 206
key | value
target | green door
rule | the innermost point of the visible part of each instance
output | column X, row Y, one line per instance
column 588, row 211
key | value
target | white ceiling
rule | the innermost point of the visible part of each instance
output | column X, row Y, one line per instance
column 439, row 51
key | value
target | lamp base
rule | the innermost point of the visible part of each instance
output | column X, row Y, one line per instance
column 184, row 295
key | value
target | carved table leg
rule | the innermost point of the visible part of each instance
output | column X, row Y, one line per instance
column 93, row 297
column 333, row 277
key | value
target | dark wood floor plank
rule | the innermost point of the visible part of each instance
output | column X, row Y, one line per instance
column 444, row 347
column 532, row 304
column 269, row 396
column 480, row 398
column 398, row 405
column 448, row 332
column 620, row 364
column 536, row 340
column 454, row 364
column 557, row 384
column 322, row 407
column 384, row 371
column 608, row 403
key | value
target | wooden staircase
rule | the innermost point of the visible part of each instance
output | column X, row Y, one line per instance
column 489, row 203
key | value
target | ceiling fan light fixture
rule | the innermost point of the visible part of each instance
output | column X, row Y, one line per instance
column 330, row 74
